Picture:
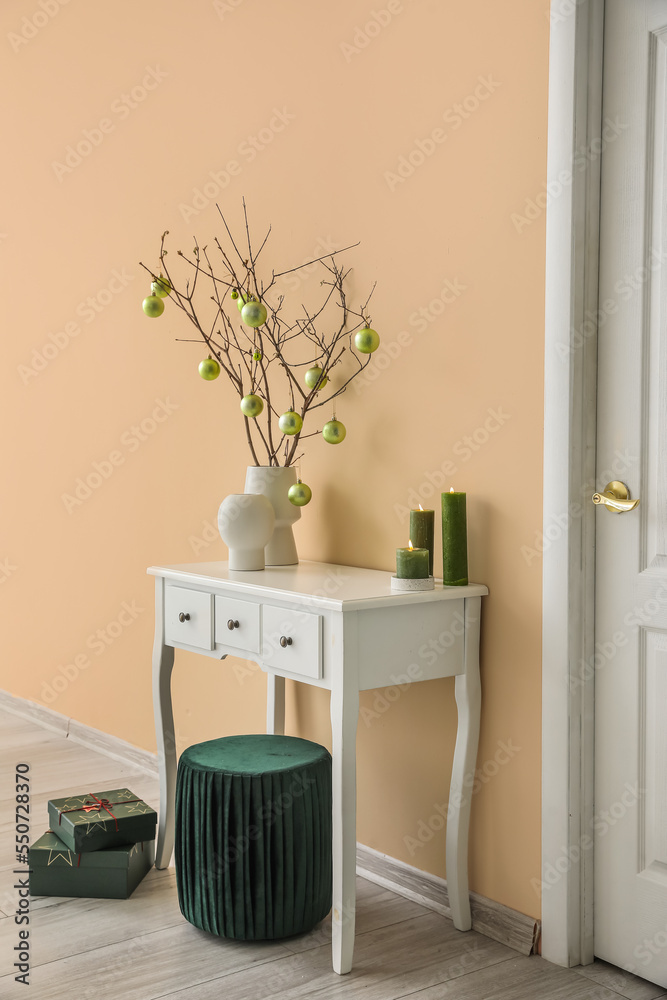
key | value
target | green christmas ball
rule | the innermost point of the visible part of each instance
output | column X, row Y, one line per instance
column 290, row 422
column 254, row 313
column 299, row 494
column 315, row 378
column 234, row 293
column 366, row 340
column 334, row 432
column 209, row 369
column 257, row 355
column 153, row 305
column 241, row 299
column 160, row 287
column 252, row 405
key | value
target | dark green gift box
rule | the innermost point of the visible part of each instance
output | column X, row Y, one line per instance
column 99, row 820
column 110, row 874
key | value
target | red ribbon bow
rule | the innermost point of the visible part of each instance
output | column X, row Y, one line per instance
column 95, row 807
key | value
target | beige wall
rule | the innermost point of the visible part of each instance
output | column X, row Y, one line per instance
column 218, row 71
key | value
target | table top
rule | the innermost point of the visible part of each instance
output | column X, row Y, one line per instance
column 326, row 585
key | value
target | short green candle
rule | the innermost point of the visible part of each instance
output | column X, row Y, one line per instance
column 454, row 540
column 412, row 564
column 422, row 524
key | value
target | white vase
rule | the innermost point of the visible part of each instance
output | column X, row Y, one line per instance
column 273, row 482
column 245, row 523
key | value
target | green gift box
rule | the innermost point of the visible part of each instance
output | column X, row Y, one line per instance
column 115, row 873
column 99, row 820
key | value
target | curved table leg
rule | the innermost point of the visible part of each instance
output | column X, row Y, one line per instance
column 163, row 662
column 468, row 702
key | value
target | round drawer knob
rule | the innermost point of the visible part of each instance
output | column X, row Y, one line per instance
column 184, row 616
column 285, row 640
column 231, row 624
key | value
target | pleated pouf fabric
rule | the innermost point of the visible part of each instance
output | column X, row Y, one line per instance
column 253, row 836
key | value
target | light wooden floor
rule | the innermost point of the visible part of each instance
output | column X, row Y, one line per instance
column 142, row 948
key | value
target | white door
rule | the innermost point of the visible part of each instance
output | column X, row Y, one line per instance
column 631, row 573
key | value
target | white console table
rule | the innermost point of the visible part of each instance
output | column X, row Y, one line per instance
column 340, row 628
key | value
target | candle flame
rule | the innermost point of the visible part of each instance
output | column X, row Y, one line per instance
column 420, row 507
column 410, row 545
column 451, row 489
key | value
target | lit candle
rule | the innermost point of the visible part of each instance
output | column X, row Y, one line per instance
column 454, row 539
column 412, row 563
column 422, row 523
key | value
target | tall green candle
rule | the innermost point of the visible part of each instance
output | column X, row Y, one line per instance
column 454, row 540
column 412, row 564
column 422, row 523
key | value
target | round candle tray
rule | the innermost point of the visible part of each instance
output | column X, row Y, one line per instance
column 412, row 586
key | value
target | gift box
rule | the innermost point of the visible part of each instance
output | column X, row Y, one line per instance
column 98, row 820
column 114, row 873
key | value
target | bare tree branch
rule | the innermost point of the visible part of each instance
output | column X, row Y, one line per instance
column 268, row 360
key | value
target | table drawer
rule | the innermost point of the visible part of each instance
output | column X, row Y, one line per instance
column 244, row 617
column 196, row 610
column 300, row 651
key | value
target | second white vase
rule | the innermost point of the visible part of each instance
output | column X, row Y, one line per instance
column 245, row 524
column 273, row 482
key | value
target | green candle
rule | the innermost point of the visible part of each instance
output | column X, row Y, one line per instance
column 412, row 564
column 454, row 540
column 422, row 524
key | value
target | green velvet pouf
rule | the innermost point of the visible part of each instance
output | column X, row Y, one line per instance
column 253, row 836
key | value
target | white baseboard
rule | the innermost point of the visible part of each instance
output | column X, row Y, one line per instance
column 87, row 736
column 488, row 917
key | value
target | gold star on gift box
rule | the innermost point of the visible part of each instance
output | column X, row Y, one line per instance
column 74, row 802
column 137, row 808
column 55, row 853
column 123, row 793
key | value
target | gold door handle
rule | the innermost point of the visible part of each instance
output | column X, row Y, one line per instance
column 616, row 498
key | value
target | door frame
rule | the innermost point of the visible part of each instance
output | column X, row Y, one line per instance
column 571, row 303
